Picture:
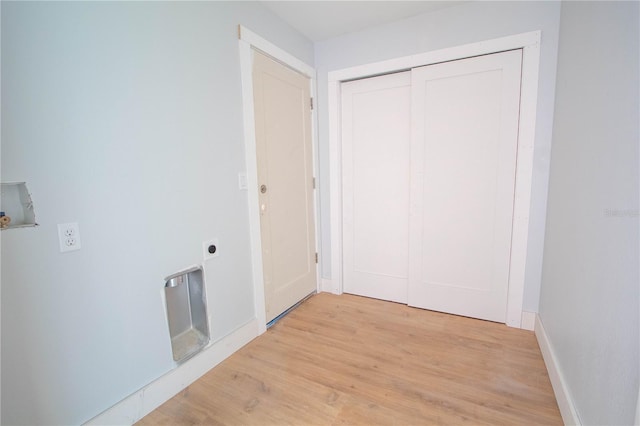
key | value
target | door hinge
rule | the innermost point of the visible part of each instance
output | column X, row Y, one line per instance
column 314, row 183
column 316, row 257
column 311, row 102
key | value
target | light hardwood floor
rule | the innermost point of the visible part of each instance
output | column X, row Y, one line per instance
column 352, row 360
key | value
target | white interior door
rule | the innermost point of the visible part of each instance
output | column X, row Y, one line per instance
column 285, row 175
column 376, row 137
column 464, row 141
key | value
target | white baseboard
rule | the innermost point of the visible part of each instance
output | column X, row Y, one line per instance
column 136, row 406
column 637, row 420
column 558, row 382
column 528, row 321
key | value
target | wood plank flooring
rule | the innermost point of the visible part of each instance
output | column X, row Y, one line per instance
column 353, row 360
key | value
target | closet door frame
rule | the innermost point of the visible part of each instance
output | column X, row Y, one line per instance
column 530, row 45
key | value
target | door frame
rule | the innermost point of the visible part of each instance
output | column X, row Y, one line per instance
column 249, row 41
column 530, row 45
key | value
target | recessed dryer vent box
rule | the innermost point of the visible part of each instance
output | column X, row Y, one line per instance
column 187, row 313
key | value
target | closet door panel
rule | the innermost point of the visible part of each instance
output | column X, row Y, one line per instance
column 376, row 136
column 464, row 140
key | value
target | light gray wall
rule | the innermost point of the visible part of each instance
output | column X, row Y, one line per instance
column 126, row 118
column 466, row 23
column 590, row 286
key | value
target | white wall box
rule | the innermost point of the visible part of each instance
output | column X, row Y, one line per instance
column 16, row 203
column 187, row 313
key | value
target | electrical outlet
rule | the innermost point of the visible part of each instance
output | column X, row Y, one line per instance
column 211, row 249
column 68, row 237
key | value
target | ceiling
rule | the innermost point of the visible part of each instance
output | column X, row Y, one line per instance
column 321, row 20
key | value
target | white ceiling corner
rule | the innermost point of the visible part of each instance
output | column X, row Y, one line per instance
column 321, row 20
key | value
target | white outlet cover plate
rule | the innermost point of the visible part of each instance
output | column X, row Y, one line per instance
column 205, row 249
column 69, row 237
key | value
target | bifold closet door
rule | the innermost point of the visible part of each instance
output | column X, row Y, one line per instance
column 376, row 138
column 463, row 152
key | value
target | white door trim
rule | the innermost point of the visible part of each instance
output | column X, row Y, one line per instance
column 248, row 41
column 530, row 45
